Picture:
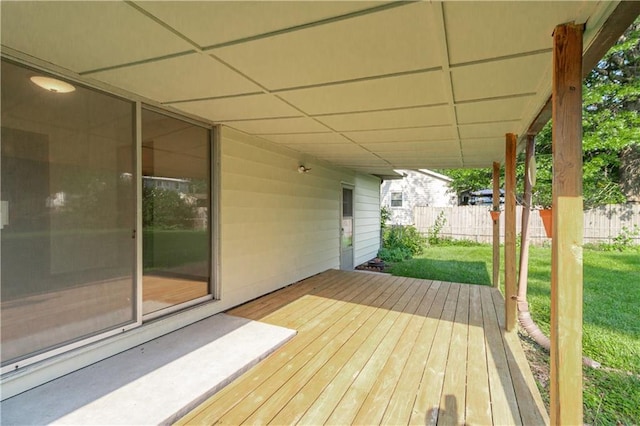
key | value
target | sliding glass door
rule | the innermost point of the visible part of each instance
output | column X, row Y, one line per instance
column 68, row 214
column 175, row 212
column 70, row 247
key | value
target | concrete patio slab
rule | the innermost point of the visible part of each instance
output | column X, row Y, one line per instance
column 154, row 383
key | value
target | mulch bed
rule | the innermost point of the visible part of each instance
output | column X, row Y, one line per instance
column 374, row 265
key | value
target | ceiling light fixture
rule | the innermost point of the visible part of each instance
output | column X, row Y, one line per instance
column 303, row 169
column 52, row 84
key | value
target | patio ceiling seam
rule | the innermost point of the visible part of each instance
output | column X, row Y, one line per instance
column 358, row 79
column 502, row 58
column 140, row 62
column 366, row 149
column 330, row 114
column 163, row 24
column 211, row 98
column 398, row 128
column 446, row 68
column 496, row 98
column 308, row 25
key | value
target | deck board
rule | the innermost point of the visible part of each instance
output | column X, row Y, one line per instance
column 374, row 349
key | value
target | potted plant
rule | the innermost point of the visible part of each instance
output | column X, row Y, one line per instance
column 543, row 199
column 495, row 213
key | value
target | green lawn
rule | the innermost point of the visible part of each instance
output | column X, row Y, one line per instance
column 611, row 316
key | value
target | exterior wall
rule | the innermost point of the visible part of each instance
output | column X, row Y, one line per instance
column 279, row 226
column 418, row 189
column 367, row 218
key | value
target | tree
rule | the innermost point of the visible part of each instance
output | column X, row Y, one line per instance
column 611, row 133
column 166, row 209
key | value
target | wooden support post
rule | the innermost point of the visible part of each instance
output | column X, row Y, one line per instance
column 510, row 289
column 566, row 248
column 496, row 225
column 523, row 270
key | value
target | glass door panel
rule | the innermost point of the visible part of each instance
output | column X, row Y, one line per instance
column 68, row 214
column 175, row 211
column 346, row 230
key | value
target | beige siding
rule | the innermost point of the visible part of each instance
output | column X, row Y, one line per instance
column 367, row 218
column 279, row 226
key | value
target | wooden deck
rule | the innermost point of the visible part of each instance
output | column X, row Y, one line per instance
column 377, row 349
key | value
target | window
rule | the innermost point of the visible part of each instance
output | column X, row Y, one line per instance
column 68, row 256
column 396, row 199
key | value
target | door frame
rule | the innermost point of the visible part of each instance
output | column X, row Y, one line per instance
column 352, row 187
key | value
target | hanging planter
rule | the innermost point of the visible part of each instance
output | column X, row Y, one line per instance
column 547, row 221
column 495, row 215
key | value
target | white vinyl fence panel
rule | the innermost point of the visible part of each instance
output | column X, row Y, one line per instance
column 474, row 223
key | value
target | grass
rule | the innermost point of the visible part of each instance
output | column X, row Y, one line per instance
column 611, row 316
column 165, row 249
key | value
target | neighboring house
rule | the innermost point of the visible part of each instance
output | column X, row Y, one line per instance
column 416, row 188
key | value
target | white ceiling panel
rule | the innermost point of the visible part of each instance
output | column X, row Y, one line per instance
column 347, row 149
column 415, row 134
column 476, row 146
column 421, row 84
column 493, row 110
column 411, row 147
column 364, row 160
column 425, row 88
column 323, row 152
column 308, row 138
column 489, row 130
column 395, row 157
column 245, row 107
column 435, row 162
column 500, row 78
column 490, row 29
column 85, row 35
column 210, row 23
column 193, row 76
column 396, row 40
column 278, row 126
column 412, row 117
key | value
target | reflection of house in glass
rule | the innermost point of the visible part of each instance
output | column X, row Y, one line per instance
column 171, row 184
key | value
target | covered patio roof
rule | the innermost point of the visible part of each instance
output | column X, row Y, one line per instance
column 368, row 86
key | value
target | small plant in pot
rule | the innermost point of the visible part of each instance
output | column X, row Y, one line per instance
column 495, row 213
column 543, row 200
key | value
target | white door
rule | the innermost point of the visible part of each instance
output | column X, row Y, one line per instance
column 346, row 230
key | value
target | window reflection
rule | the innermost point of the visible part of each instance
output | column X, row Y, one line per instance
column 175, row 211
column 67, row 269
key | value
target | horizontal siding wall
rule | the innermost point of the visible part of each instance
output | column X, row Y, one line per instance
column 367, row 218
column 279, row 226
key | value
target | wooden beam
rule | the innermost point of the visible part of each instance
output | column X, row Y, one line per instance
column 523, row 270
column 615, row 25
column 496, row 225
column 510, row 290
column 566, row 248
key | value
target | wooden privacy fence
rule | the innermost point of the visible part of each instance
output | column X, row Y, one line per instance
column 474, row 223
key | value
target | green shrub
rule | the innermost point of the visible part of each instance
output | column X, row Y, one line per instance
column 624, row 241
column 401, row 243
column 397, row 254
column 433, row 234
